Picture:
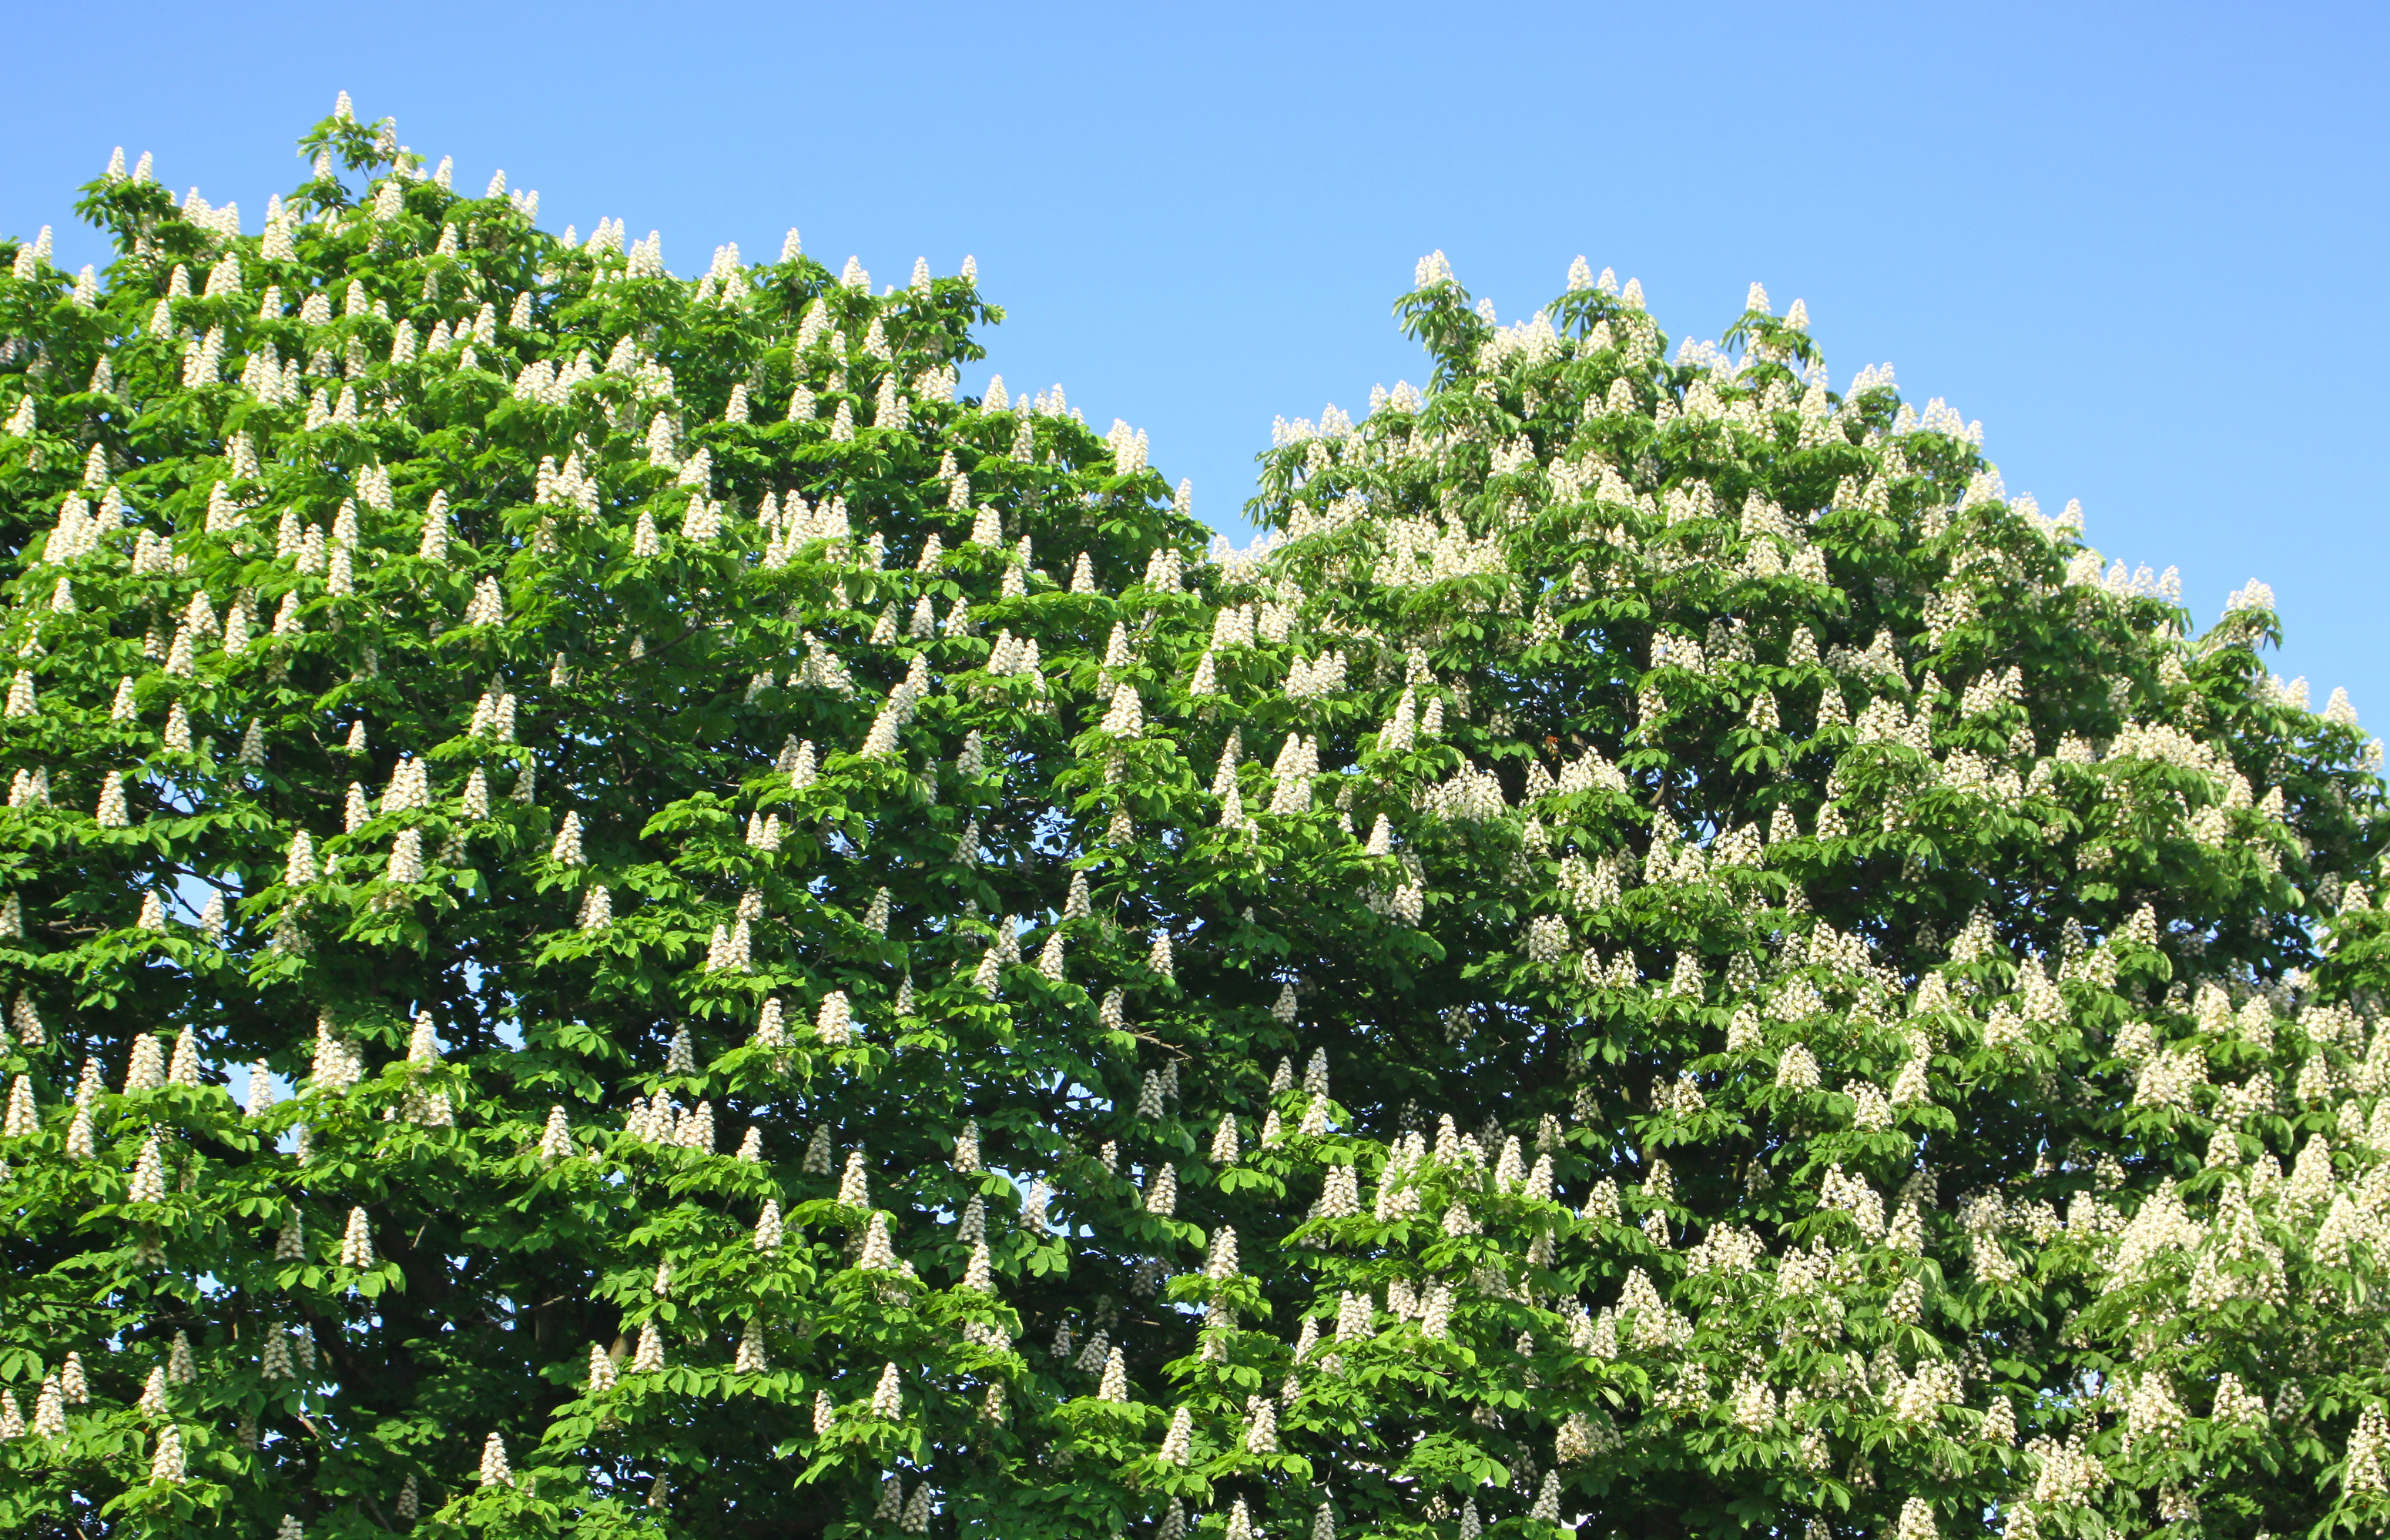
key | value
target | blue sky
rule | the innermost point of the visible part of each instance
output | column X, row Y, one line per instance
column 2144, row 245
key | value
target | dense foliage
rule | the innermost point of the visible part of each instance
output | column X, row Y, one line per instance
column 623, row 914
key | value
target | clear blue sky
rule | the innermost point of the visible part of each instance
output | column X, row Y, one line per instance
column 2132, row 241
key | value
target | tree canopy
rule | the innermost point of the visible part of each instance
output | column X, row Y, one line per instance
column 625, row 912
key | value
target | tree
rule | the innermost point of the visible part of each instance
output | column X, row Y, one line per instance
column 1661, row 957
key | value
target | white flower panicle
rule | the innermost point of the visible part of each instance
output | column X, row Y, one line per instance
column 495, row 1471
column 356, row 1245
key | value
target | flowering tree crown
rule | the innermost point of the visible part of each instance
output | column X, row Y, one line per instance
column 800, row 956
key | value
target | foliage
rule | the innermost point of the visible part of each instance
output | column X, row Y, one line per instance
column 1661, row 957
